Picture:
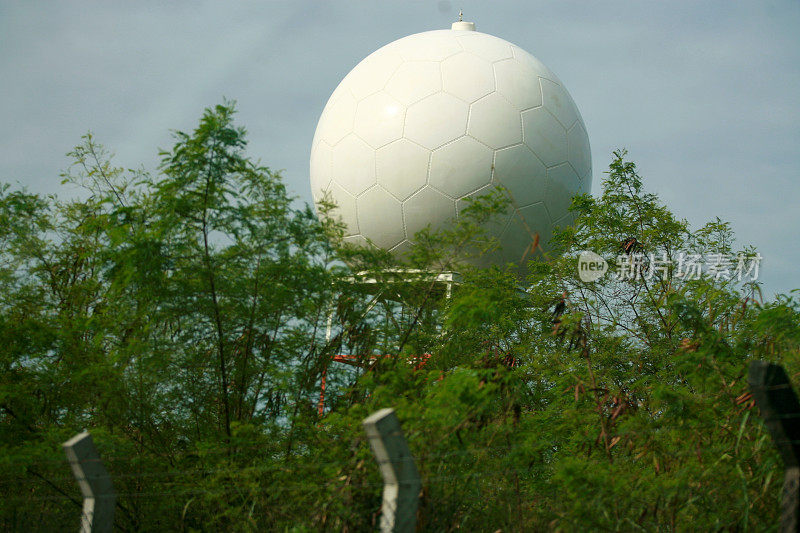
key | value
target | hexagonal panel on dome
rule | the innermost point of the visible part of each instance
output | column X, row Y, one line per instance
column 380, row 218
column 521, row 172
column 461, row 167
column 337, row 117
column 533, row 62
column 485, row 46
column 495, row 122
column 434, row 45
column 493, row 229
column 464, row 201
column 559, row 103
column 402, row 167
column 565, row 221
column 401, row 249
column 436, row 120
column 345, row 207
column 353, row 165
column 428, row 206
column 536, row 220
column 357, row 240
column 320, row 167
column 562, row 185
column 371, row 75
column 467, row 76
column 379, row 119
column 319, row 193
column 545, row 136
column 580, row 154
column 518, row 81
column 415, row 80
column 521, row 234
column 516, row 242
column 498, row 221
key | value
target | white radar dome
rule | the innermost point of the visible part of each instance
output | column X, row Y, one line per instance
column 437, row 117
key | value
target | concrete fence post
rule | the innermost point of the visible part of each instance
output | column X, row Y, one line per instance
column 401, row 483
column 780, row 411
column 99, row 497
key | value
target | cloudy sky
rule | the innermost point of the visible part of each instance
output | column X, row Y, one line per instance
column 704, row 95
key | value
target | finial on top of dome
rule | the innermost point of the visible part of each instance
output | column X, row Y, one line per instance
column 461, row 25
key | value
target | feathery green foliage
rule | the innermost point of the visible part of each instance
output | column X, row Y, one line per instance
column 187, row 317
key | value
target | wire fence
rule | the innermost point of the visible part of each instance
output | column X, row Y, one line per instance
column 145, row 478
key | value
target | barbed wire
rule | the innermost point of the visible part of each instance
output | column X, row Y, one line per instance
column 181, row 483
column 422, row 459
column 233, row 449
column 179, row 494
column 424, row 455
column 284, row 489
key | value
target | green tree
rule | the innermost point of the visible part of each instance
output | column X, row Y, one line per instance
column 167, row 313
column 187, row 317
column 628, row 411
